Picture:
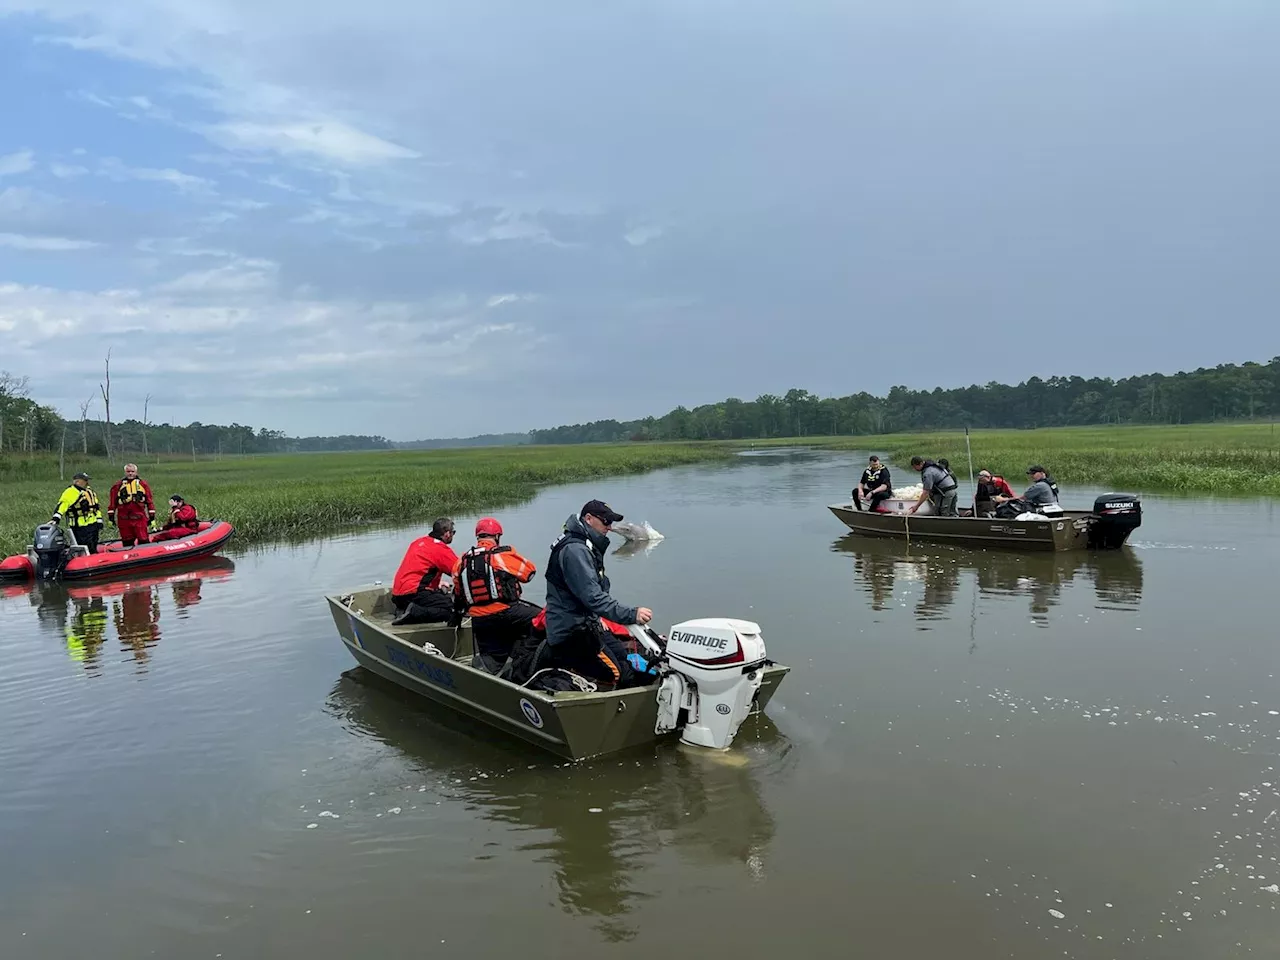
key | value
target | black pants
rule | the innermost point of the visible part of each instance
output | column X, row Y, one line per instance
column 592, row 652
column 425, row 606
column 496, row 633
column 873, row 500
column 87, row 536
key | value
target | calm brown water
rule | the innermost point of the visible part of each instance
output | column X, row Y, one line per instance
column 967, row 742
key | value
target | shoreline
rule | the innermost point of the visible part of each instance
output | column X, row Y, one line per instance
column 285, row 496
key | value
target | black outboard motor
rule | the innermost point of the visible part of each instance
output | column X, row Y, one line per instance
column 51, row 549
column 1115, row 516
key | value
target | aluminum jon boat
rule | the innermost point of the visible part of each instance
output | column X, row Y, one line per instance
column 713, row 675
column 1106, row 527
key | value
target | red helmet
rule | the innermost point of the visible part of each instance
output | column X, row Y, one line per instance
column 487, row 526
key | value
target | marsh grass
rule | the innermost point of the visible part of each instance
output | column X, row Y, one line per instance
column 1202, row 458
column 305, row 495
column 302, row 496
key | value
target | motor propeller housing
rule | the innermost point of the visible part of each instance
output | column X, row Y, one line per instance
column 713, row 669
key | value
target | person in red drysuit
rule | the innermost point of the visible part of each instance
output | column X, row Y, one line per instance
column 131, row 508
column 416, row 589
column 182, row 521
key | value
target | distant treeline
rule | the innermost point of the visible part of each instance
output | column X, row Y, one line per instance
column 27, row 427
column 483, row 440
column 1225, row 392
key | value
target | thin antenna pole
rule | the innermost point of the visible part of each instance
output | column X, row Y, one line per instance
column 974, row 504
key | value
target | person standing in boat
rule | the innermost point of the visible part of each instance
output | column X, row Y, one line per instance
column 876, row 486
column 79, row 505
column 131, row 507
column 578, row 596
column 183, row 521
column 939, row 487
column 415, row 591
column 487, row 585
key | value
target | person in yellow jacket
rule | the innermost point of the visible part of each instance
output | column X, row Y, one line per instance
column 79, row 507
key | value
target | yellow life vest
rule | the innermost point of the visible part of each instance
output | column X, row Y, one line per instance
column 131, row 491
column 84, row 510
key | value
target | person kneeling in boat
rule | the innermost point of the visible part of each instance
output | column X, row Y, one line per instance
column 1038, row 496
column 578, row 596
column 79, row 504
column 939, row 487
column 875, row 485
column 131, row 508
column 487, row 585
column 183, row 521
column 990, row 486
column 416, row 589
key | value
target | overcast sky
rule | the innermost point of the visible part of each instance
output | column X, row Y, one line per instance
column 423, row 219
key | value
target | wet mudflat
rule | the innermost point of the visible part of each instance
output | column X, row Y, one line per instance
column 976, row 755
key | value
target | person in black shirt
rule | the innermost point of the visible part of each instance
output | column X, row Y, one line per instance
column 875, row 485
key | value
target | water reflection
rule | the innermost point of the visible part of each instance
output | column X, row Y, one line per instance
column 80, row 614
column 707, row 808
column 634, row 548
column 881, row 566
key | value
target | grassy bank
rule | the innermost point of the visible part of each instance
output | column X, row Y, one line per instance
column 1209, row 458
column 281, row 496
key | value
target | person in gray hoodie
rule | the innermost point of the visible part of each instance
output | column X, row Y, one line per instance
column 578, row 596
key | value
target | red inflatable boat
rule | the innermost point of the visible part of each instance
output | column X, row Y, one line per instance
column 112, row 559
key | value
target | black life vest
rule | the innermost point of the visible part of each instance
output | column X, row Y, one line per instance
column 481, row 583
column 872, row 479
column 1053, row 485
column 555, row 575
column 947, row 473
column 131, row 491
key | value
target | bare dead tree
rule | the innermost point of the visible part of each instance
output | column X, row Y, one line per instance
column 146, row 403
column 106, row 401
column 84, row 425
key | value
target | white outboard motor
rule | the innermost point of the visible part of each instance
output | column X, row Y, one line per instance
column 712, row 670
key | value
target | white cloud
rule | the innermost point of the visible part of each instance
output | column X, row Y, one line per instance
column 15, row 163
column 331, row 139
column 503, row 298
column 181, row 247
column 279, row 184
column 236, row 277
column 507, row 225
column 114, row 169
column 66, row 171
column 641, row 235
column 244, row 340
column 21, row 241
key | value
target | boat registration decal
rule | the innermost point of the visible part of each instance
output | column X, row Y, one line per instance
column 1061, row 525
column 355, row 632
column 437, row 675
column 531, row 713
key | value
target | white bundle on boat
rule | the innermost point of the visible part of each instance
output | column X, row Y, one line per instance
column 1031, row 515
column 908, row 493
column 636, row 531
